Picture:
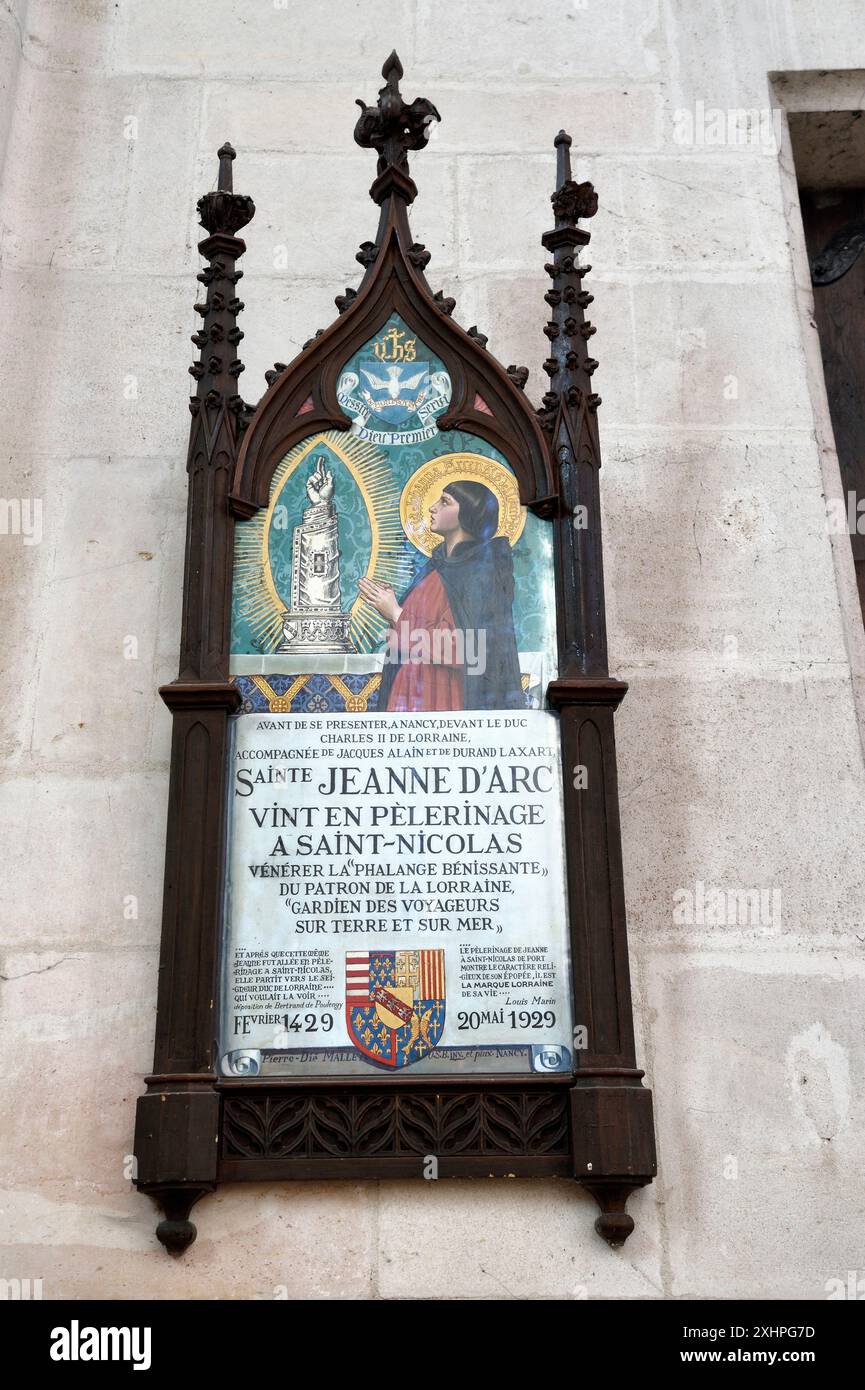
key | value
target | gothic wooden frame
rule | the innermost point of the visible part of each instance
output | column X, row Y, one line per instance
column 196, row 1129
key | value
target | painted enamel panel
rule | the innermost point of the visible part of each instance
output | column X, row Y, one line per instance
column 396, row 881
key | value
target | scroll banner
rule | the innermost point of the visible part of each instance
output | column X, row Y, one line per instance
column 361, row 412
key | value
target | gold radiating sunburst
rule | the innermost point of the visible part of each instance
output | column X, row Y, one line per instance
column 261, row 604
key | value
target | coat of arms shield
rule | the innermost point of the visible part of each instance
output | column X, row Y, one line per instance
column 395, row 1004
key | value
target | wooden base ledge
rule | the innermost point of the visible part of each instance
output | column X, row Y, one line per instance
column 193, row 695
column 586, row 690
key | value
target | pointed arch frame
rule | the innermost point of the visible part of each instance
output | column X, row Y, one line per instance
column 393, row 283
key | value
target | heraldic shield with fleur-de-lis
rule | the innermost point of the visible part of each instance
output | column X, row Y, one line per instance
column 395, row 1004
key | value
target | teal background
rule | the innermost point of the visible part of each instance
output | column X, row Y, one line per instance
column 534, row 601
column 355, row 534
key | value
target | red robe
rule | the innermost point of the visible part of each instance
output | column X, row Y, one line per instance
column 435, row 684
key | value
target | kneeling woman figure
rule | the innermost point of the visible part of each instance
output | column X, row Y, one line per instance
column 451, row 644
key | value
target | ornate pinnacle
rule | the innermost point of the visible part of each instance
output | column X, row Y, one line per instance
column 568, row 414
column 225, row 212
column 569, row 366
column 393, row 127
column 571, row 200
column 222, row 213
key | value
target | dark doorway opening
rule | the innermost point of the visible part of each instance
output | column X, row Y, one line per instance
column 829, row 154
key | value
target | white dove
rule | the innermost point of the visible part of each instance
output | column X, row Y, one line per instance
column 393, row 383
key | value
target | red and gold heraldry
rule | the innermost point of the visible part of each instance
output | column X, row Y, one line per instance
column 395, row 1004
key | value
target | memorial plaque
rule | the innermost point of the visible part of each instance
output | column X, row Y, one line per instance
column 396, row 885
column 394, row 920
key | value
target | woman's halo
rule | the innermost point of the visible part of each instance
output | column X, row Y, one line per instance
column 427, row 484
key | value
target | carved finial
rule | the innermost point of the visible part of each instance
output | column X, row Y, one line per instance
column 227, row 154
column 393, row 127
column 571, row 200
column 563, row 143
column 392, row 70
column 225, row 211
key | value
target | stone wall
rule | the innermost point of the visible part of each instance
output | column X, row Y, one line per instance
column 732, row 612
